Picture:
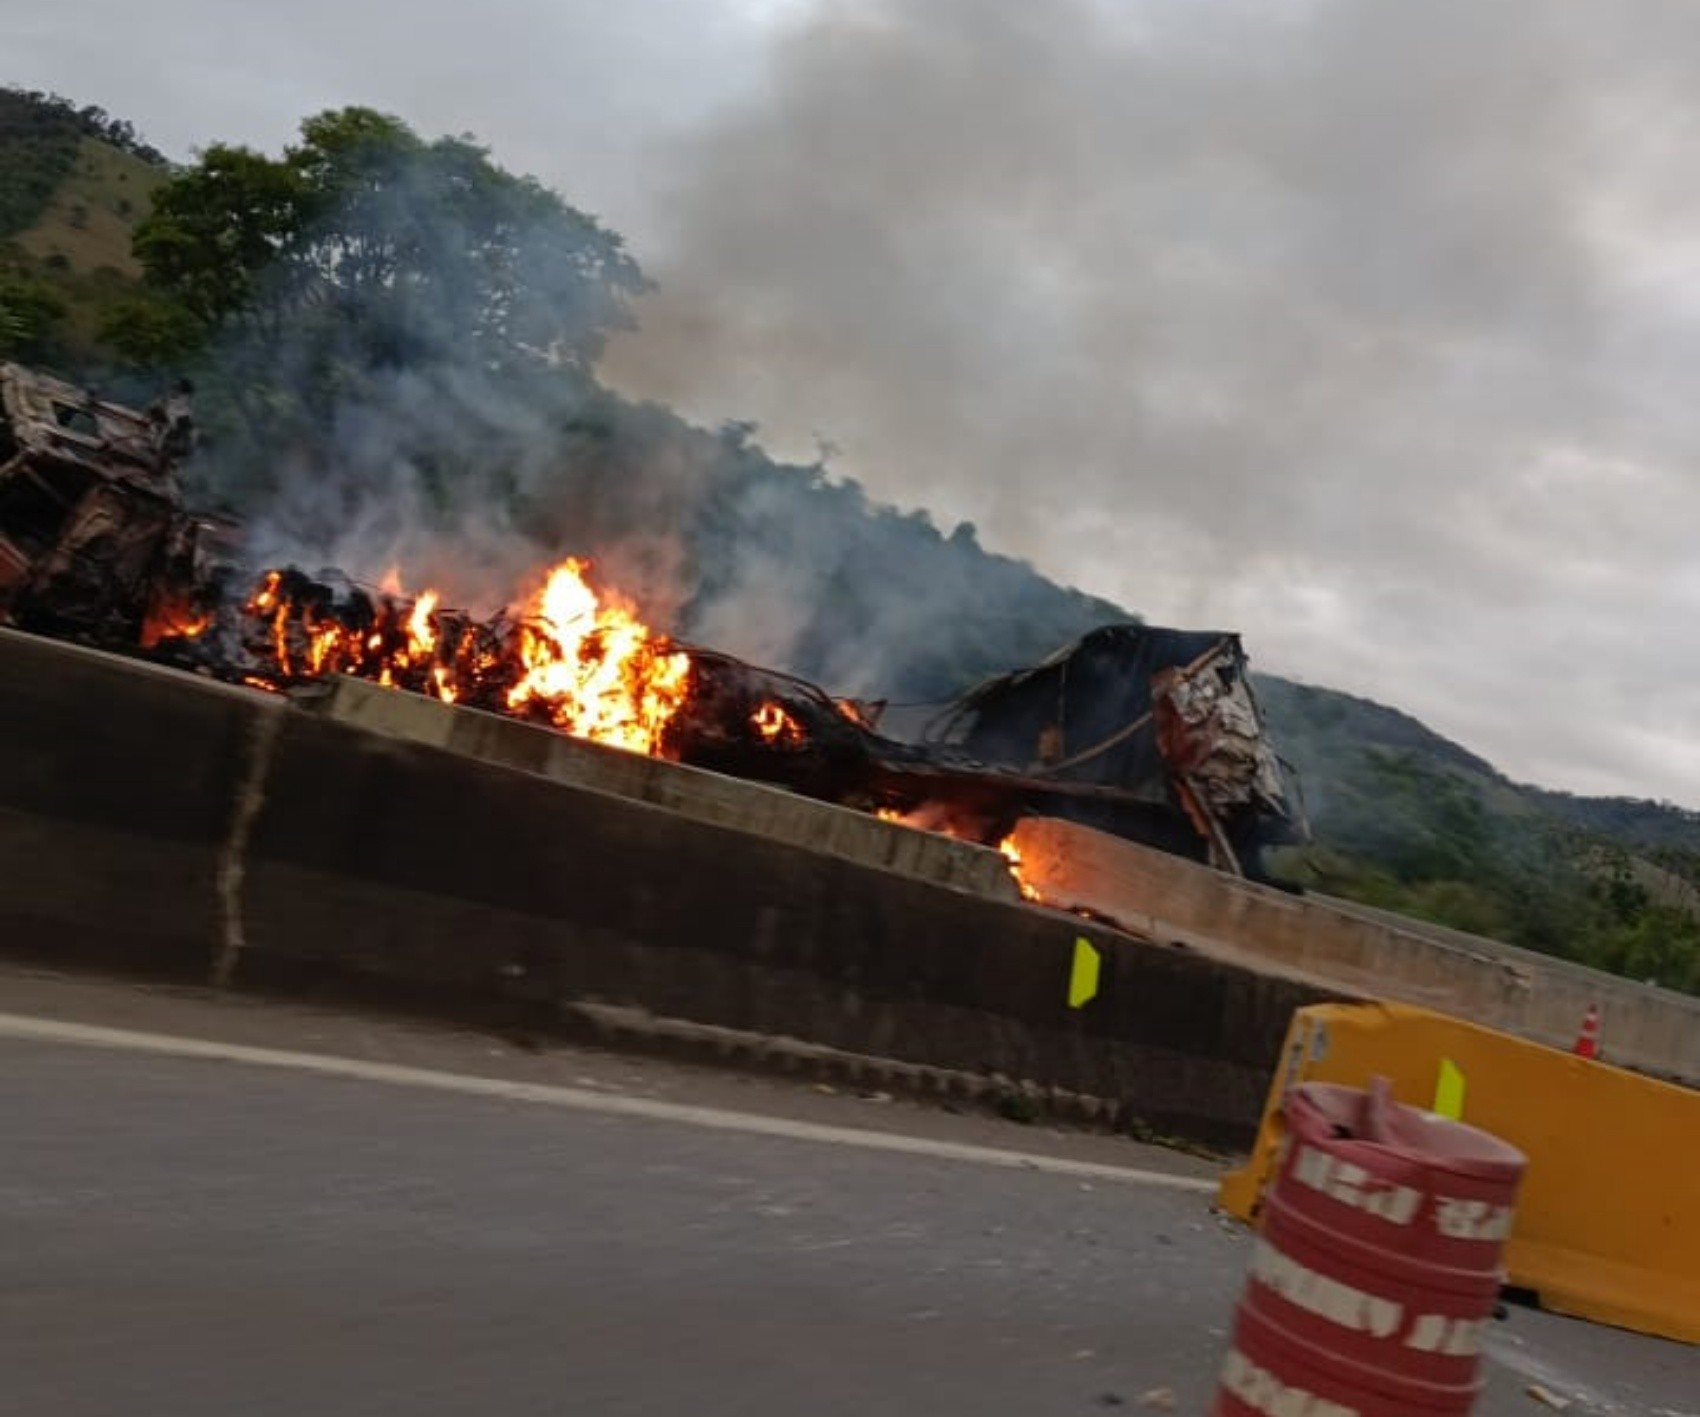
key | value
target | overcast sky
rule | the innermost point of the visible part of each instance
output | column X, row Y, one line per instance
column 1363, row 327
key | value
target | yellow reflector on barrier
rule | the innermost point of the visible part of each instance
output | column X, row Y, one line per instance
column 1083, row 974
column 1449, row 1091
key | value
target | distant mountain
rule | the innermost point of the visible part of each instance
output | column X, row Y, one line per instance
column 73, row 184
column 1409, row 821
column 1656, row 827
column 791, row 563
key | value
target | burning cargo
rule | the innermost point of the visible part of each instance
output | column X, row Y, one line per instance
column 1148, row 733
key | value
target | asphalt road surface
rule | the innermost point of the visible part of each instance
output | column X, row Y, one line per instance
column 191, row 1236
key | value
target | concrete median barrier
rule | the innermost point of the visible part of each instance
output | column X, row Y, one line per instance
column 116, row 793
column 687, row 792
column 1359, row 952
column 1607, row 1226
column 179, row 829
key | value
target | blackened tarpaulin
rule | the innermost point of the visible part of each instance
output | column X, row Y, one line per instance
column 1166, row 717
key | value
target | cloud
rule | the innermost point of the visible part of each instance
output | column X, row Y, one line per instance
column 1365, row 329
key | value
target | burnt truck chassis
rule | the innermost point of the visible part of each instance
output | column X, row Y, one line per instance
column 95, row 541
column 1148, row 733
column 1177, row 760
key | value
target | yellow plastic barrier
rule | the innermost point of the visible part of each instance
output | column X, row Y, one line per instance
column 1608, row 1222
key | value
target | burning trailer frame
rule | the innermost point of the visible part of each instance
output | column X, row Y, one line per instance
column 1147, row 733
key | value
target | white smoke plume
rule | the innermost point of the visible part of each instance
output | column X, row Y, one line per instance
column 1362, row 328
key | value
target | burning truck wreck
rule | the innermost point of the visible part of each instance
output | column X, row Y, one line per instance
column 95, row 541
column 1148, row 733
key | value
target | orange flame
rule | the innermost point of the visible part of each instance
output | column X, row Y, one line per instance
column 1012, row 854
column 583, row 662
column 930, row 818
column 421, row 633
column 861, row 712
column 775, row 725
column 595, row 669
column 173, row 620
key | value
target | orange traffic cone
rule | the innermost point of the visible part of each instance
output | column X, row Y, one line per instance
column 1588, row 1040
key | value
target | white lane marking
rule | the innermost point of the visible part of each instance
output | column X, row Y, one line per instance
column 18, row 1026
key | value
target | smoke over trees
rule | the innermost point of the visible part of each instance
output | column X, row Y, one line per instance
column 395, row 341
column 364, row 249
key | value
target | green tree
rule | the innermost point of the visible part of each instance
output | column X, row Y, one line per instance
column 11, row 329
column 372, row 247
column 215, row 228
column 152, row 333
column 30, row 314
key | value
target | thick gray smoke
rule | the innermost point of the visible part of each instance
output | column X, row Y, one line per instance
column 470, row 477
column 446, row 475
column 365, row 501
column 409, row 427
column 1360, row 327
column 414, row 429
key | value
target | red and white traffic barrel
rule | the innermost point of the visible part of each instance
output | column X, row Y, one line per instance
column 1378, row 1264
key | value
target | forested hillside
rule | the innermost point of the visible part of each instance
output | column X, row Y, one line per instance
column 73, row 184
column 1408, row 821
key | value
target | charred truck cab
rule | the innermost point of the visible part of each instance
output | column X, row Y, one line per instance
column 95, row 542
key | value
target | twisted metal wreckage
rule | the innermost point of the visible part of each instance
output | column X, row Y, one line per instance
column 1152, row 734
